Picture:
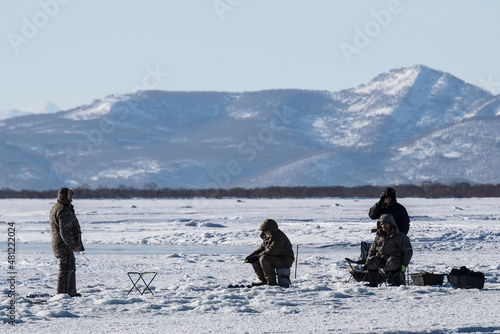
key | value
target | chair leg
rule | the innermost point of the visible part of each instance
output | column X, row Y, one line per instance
column 395, row 278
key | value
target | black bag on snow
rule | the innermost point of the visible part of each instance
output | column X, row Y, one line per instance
column 466, row 279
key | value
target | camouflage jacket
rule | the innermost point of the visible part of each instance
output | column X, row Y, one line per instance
column 65, row 228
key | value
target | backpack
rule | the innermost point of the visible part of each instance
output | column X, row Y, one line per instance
column 466, row 279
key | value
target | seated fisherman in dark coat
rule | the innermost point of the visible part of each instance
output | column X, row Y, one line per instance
column 275, row 252
column 391, row 250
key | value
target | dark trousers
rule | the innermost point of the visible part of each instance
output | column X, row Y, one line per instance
column 265, row 268
column 391, row 264
column 391, row 267
column 66, row 280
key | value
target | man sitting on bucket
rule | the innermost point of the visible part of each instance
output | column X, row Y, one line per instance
column 391, row 250
column 275, row 252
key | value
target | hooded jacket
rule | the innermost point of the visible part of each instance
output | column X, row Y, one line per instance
column 65, row 228
column 394, row 248
column 276, row 244
column 395, row 209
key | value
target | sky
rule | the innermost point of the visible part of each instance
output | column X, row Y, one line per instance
column 72, row 52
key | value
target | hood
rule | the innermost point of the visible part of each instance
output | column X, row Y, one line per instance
column 269, row 225
column 389, row 192
column 388, row 219
column 65, row 195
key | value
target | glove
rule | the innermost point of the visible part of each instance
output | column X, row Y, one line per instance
column 252, row 258
column 384, row 194
column 403, row 268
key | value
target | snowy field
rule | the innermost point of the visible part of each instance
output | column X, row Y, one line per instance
column 197, row 248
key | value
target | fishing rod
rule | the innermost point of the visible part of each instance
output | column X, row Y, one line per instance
column 83, row 256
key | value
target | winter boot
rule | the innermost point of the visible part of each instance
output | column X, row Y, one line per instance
column 373, row 278
column 259, row 283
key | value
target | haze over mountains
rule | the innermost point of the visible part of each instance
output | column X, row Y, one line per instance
column 409, row 125
column 44, row 107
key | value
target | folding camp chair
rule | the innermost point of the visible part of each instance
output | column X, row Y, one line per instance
column 139, row 276
column 358, row 271
column 357, row 268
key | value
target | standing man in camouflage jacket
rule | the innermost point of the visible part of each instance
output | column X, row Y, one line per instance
column 66, row 239
column 275, row 252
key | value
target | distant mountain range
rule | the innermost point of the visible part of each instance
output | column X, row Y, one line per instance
column 45, row 107
column 406, row 126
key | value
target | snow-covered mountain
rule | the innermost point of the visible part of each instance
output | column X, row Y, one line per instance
column 45, row 107
column 406, row 126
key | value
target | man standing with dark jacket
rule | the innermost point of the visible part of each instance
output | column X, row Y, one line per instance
column 275, row 252
column 388, row 204
column 66, row 239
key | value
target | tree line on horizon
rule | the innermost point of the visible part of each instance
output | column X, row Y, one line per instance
column 151, row 190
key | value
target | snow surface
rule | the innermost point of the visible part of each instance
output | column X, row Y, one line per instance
column 197, row 247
